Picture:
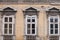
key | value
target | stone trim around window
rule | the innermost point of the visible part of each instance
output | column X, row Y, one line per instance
column 30, row 11
column 53, row 11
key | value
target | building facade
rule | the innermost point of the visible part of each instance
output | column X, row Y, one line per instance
column 29, row 19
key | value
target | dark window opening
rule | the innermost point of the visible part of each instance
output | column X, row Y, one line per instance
column 51, row 25
column 28, row 20
column 56, row 31
column 33, row 20
column 10, row 19
column 56, row 25
column 33, row 31
column 51, row 20
column 5, row 25
column 6, row 19
column 33, row 25
column 56, row 20
column 51, row 31
column 28, row 25
column 28, row 31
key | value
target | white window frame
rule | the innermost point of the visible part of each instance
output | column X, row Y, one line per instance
column 8, row 23
column 50, row 23
column 26, row 17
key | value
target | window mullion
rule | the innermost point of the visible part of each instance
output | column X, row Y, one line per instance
column 31, row 26
column 8, row 28
column 54, row 28
column 35, row 25
column 8, row 25
column 54, row 25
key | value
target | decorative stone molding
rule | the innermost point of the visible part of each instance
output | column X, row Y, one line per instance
column 53, row 11
column 30, row 11
column 8, row 11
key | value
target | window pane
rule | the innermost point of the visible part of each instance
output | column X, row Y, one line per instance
column 51, row 20
column 33, row 25
column 10, row 19
column 5, row 28
column 56, row 31
column 6, row 19
column 33, row 20
column 28, row 31
column 5, row 25
column 51, row 31
column 33, row 31
column 56, row 20
column 28, row 20
column 10, row 25
column 10, row 31
column 51, row 25
column 5, row 31
column 28, row 25
column 10, row 28
column 56, row 25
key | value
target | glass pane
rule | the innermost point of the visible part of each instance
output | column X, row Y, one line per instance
column 10, row 25
column 51, row 25
column 33, row 20
column 51, row 20
column 5, row 31
column 56, row 25
column 33, row 31
column 56, row 31
column 56, row 20
column 10, row 31
column 51, row 31
column 6, row 19
column 10, row 28
column 28, row 20
column 10, row 19
column 33, row 25
column 28, row 25
column 28, row 31
column 5, row 25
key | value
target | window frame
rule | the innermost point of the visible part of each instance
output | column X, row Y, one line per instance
column 8, row 24
column 26, row 17
column 53, row 24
